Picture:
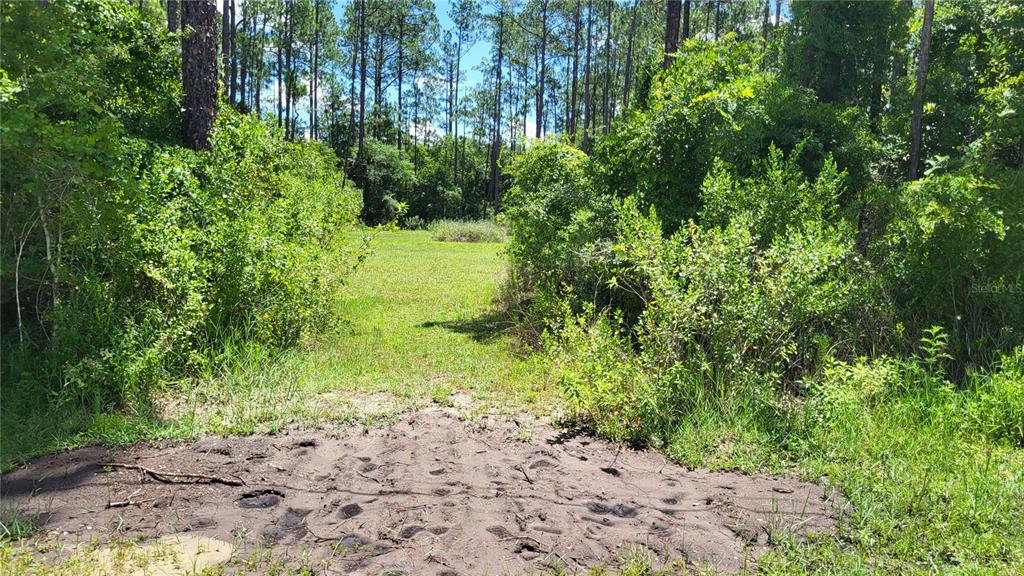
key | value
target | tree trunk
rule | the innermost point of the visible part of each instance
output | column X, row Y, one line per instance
column 362, row 78
column 922, row 75
column 199, row 73
column 718, row 19
column 672, row 10
column 172, row 15
column 233, row 57
column 455, row 117
column 401, row 54
column 493, row 185
column 627, row 85
column 352, row 92
column 225, row 44
column 577, row 22
column 289, row 77
column 314, row 96
column 542, row 70
column 243, row 72
column 280, row 71
column 605, row 103
column 259, row 66
column 767, row 17
column 588, row 111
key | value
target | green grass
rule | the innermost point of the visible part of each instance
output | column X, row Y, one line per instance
column 415, row 325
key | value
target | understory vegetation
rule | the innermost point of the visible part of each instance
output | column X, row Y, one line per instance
column 741, row 274
column 130, row 261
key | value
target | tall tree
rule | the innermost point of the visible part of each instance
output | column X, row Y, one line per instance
column 464, row 15
column 225, row 44
column 199, row 72
column 914, row 171
column 588, row 111
column 362, row 80
column 631, row 42
column 173, row 19
column 672, row 11
column 542, row 71
column 686, row 19
column 493, row 186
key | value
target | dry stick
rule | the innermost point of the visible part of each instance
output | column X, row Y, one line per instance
column 126, row 503
column 166, row 477
column 523, row 470
column 524, row 538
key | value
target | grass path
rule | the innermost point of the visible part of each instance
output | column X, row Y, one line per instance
column 416, row 324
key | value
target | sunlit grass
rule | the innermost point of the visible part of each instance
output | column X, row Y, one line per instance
column 415, row 324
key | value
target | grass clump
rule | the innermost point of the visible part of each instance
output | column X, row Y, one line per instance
column 466, row 231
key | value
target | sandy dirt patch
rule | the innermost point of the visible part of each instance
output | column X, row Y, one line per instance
column 428, row 495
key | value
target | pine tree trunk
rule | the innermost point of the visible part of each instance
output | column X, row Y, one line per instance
column 243, row 72
column 233, row 57
column 588, row 111
column 225, row 44
column 280, row 71
column 401, row 54
column 314, row 97
column 672, row 10
column 686, row 19
column 922, row 76
column 493, row 185
column 289, row 78
column 627, row 85
column 718, row 19
column 542, row 70
column 577, row 21
column 173, row 19
column 362, row 78
column 199, row 72
column 605, row 104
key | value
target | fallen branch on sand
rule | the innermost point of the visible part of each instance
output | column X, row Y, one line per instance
column 176, row 477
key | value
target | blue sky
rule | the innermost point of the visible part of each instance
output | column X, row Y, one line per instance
column 474, row 56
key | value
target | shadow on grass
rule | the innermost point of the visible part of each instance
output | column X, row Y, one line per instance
column 484, row 328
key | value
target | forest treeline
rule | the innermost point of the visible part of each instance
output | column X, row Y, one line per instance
column 386, row 86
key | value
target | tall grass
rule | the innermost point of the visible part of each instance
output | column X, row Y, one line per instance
column 467, row 231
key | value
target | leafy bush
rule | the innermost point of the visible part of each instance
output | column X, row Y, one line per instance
column 954, row 251
column 466, row 231
column 559, row 225
column 128, row 260
column 387, row 177
column 720, row 103
column 998, row 410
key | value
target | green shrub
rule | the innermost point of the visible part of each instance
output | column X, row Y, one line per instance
column 998, row 410
column 466, row 231
column 560, row 228
column 387, row 177
column 954, row 256
column 162, row 267
column 720, row 103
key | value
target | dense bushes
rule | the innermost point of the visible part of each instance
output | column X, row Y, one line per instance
column 418, row 181
column 126, row 260
column 724, row 105
column 724, row 249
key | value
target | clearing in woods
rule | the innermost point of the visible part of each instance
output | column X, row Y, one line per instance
column 413, row 439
